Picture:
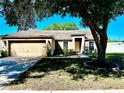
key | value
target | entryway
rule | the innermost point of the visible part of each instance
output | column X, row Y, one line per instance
column 78, row 44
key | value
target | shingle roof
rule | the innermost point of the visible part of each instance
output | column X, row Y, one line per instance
column 56, row 34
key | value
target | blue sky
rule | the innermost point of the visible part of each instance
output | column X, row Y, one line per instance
column 115, row 28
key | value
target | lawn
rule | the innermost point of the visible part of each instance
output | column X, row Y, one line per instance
column 117, row 58
column 69, row 74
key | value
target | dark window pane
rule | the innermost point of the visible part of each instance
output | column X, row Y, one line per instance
column 66, row 44
column 91, row 46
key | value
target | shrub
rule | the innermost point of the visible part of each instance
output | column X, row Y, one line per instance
column 4, row 53
column 65, row 50
column 71, row 52
column 68, row 52
column 58, row 51
column 73, row 69
column 48, row 51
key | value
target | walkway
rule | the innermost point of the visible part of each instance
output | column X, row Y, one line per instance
column 72, row 56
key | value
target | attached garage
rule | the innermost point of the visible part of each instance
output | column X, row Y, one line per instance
column 27, row 48
column 29, row 44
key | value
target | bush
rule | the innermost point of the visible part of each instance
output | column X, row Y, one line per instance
column 68, row 52
column 76, row 71
column 57, row 52
column 73, row 69
column 65, row 50
column 48, row 51
column 4, row 53
column 71, row 52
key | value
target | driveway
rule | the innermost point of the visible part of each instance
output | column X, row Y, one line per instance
column 12, row 67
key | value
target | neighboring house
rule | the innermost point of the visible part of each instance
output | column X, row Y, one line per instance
column 35, row 43
column 115, row 47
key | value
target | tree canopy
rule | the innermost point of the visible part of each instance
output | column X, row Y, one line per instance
column 60, row 26
column 24, row 13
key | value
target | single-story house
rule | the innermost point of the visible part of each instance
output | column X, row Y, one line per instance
column 37, row 43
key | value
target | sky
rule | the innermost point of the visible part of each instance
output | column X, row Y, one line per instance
column 115, row 27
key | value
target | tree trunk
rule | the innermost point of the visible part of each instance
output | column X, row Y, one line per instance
column 102, row 47
column 100, row 38
column 101, row 55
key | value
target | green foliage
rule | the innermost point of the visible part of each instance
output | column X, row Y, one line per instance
column 60, row 26
column 4, row 53
column 65, row 50
column 68, row 52
column 71, row 52
column 19, row 13
column 24, row 12
column 58, row 51
column 48, row 52
column 73, row 68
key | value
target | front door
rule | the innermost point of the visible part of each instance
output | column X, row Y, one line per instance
column 78, row 45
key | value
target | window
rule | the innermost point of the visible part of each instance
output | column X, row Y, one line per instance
column 65, row 45
column 91, row 46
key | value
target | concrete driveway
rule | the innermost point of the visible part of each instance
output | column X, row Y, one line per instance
column 12, row 67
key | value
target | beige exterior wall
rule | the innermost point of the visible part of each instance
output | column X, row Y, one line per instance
column 70, row 45
column 61, row 44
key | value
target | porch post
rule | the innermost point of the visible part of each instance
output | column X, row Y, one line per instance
column 7, row 45
column 73, row 41
column 82, row 44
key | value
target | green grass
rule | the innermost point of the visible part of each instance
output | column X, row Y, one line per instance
column 116, row 58
column 69, row 74
column 112, row 57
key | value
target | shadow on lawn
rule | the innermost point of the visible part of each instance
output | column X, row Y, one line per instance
column 116, row 58
column 73, row 66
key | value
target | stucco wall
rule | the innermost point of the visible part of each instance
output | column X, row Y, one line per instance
column 70, row 45
column 61, row 44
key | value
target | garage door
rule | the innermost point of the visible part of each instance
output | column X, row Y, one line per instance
column 28, row 49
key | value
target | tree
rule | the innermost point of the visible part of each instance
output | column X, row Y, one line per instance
column 64, row 26
column 96, row 14
column 23, row 13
